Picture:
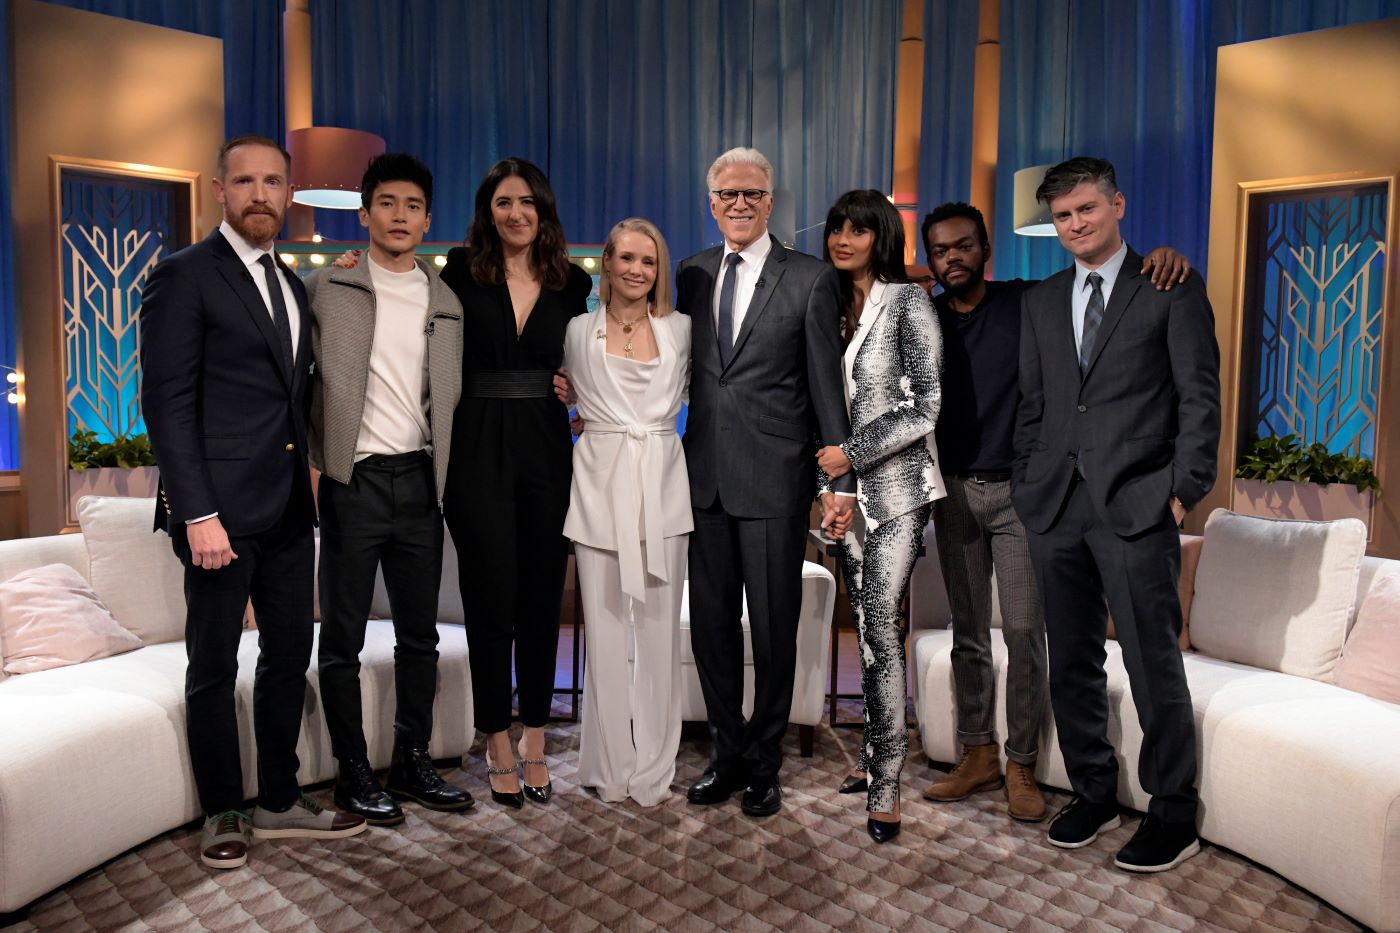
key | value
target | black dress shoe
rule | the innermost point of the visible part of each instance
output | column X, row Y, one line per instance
column 882, row 830
column 413, row 777
column 357, row 791
column 712, row 788
column 854, row 785
column 762, row 799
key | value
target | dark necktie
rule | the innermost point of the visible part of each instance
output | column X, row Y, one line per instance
column 726, row 308
column 1093, row 316
column 280, row 320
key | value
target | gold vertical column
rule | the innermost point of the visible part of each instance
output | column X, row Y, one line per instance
column 986, row 98
column 908, row 120
column 296, row 70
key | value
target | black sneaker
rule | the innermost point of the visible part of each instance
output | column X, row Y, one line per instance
column 1158, row 846
column 1080, row 823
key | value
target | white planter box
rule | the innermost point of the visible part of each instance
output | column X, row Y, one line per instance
column 140, row 482
column 1303, row 501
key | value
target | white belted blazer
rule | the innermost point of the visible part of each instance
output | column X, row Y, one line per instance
column 630, row 490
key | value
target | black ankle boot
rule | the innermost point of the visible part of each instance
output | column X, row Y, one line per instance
column 357, row 791
column 413, row 777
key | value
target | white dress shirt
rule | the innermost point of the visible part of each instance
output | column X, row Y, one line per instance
column 748, row 271
column 250, row 255
column 1079, row 298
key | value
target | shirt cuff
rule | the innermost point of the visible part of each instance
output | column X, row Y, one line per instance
column 845, row 495
column 202, row 518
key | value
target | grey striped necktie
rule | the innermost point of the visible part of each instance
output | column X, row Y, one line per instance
column 1093, row 317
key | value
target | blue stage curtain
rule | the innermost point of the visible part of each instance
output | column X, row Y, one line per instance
column 9, row 420
column 460, row 84
column 623, row 103
column 1133, row 83
column 945, row 142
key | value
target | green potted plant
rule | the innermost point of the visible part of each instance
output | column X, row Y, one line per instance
column 123, row 466
column 1281, row 477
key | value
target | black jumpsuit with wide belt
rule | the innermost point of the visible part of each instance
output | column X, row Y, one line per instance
column 508, row 490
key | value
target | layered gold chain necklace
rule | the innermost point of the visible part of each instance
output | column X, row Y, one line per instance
column 627, row 327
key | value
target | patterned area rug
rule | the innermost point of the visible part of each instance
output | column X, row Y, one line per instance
column 581, row 864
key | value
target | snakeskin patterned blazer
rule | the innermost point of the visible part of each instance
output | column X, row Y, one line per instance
column 892, row 367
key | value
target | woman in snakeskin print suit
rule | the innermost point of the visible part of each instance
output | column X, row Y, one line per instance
column 892, row 363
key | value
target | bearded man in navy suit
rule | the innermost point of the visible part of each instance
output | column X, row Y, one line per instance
column 226, row 362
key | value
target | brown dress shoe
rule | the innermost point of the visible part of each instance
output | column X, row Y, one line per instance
column 978, row 769
column 1024, row 801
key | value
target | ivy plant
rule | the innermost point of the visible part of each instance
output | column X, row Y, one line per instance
column 85, row 450
column 1288, row 459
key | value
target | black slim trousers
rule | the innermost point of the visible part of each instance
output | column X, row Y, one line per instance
column 274, row 568
column 1085, row 570
column 386, row 516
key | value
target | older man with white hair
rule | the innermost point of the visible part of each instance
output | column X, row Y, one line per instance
column 765, row 393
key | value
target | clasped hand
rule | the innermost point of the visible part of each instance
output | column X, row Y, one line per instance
column 833, row 461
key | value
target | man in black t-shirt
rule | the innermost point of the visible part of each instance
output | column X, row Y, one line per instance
column 977, row 530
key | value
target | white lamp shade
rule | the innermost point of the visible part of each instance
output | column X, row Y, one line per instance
column 1029, row 216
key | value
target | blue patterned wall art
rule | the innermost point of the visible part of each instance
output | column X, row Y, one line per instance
column 1317, row 283
column 114, row 230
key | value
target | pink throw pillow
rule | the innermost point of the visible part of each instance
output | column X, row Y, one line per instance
column 1370, row 662
column 50, row 617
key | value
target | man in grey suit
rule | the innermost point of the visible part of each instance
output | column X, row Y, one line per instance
column 765, row 393
column 1115, row 441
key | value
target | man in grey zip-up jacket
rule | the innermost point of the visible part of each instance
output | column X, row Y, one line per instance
column 387, row 335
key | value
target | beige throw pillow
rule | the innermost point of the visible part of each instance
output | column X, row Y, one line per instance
column 1370, row 661
column 133, row 569
column 1276, row 594
column 50, row 617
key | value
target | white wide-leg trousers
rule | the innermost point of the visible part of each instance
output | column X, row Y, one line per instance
column 631, row 727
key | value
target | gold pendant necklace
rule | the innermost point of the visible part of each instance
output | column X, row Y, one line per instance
column 627, row 330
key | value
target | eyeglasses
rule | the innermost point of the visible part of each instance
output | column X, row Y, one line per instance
column 730, row 195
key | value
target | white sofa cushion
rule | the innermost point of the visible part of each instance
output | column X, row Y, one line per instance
column 133, row 569
column 1276, row 594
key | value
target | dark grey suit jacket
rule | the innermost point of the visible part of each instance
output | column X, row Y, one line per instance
column 754, row 425
column 1144, row 421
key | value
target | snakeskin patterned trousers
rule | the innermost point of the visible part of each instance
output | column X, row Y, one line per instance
column 877, row 576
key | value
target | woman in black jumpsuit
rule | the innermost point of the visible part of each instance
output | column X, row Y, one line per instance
column 508, row 479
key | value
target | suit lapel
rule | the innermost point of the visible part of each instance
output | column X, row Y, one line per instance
column 702, row 314
column 1065, row 302
column 1124, row 288
column 240, row 281
column 768, row 278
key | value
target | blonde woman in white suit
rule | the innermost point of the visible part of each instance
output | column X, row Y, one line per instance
column 894, row 353
column 629, row 517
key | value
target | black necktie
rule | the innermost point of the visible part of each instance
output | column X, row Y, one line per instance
column 1093, row 316
column 280, row 320
column 726, row 308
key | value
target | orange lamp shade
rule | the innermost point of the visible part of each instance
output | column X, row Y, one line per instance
column 328, row 163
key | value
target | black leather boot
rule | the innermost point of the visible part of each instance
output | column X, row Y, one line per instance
column 413, row 777
column 357, row 791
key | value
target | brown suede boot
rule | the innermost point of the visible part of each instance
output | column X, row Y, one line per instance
column 978, row 769
column 1024, row 801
